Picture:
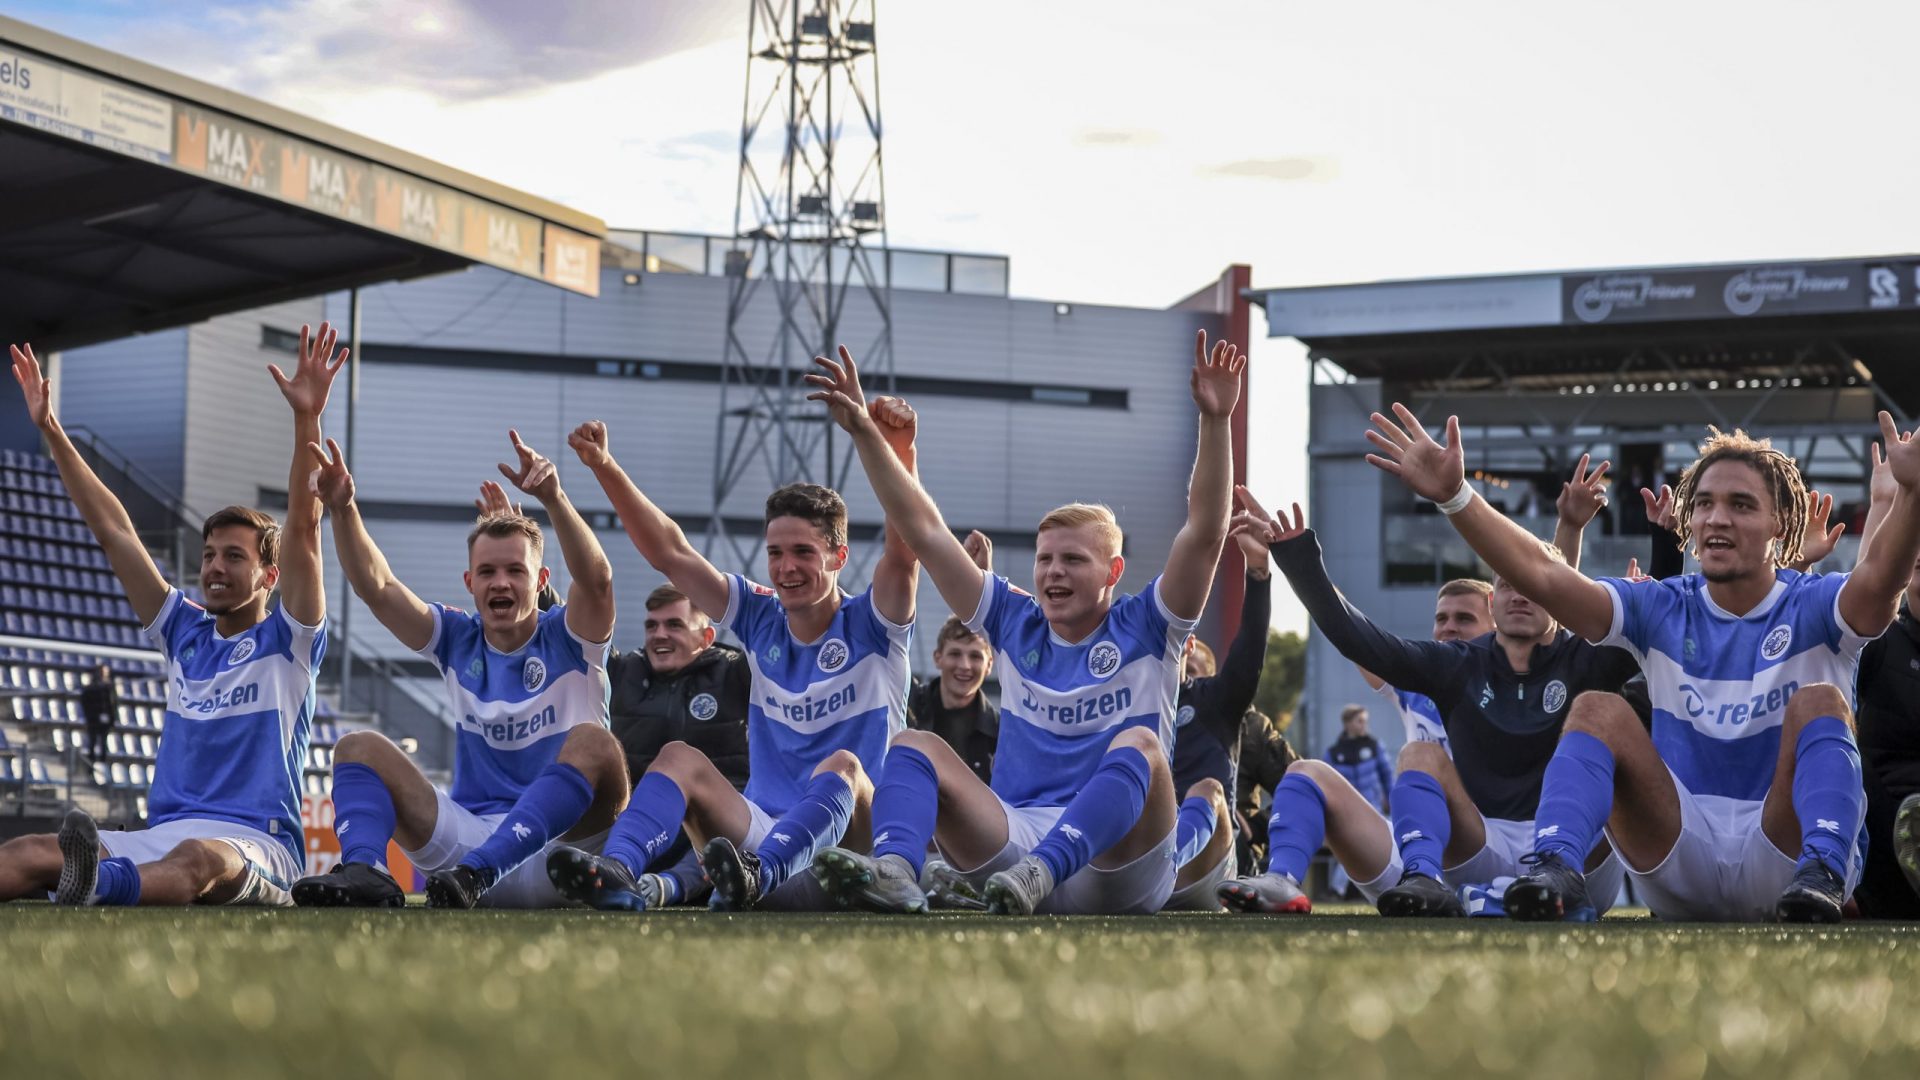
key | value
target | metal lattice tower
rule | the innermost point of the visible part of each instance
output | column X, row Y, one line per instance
column 808, row 270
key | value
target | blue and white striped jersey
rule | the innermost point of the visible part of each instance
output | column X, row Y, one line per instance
column 513, row 710
column 845, row 691
column 239, row 716
column 1061, row 703
column 1418, row 714
column 1719, row 683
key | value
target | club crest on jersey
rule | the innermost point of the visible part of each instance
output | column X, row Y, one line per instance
column 833, row 656
column 188, row 654
column 1103, row 660
column 1774, row 645
column 533, row 675
column 703, row 706
column 773, row 654
column 240, row 652
column 1555, row 697
column 1183, row 717
column 1032, row 659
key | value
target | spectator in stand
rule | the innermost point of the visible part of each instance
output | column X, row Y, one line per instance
column 99, row 704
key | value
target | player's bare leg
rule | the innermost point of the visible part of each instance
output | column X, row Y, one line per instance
column 1313, row 804
column 29, row 867
column 369, row 767
column 824, row 815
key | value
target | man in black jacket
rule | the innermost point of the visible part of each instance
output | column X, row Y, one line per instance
column 1213, row 704
column 952, row 704
column 1503, row 698
column 99, row 704
column 680, row 687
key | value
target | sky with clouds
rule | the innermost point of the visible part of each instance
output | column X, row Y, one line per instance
column 1123, row 152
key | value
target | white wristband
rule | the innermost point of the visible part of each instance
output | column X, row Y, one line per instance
column 1459, row 501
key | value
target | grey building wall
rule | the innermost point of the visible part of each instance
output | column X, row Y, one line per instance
column 134, row 394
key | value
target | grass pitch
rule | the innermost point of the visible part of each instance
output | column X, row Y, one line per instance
column 428, row 994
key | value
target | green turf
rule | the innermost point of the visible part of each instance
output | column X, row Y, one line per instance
column 420, row 994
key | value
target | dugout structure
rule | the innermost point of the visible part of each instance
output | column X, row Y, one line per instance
column 1627, row 364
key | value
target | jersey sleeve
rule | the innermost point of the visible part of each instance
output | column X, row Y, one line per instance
column 449, row 625
column 175, row 612
column 1827, row 588
column 998, row 598
column 749, row 606
column 593, row 653
column 1638, row 607
column 307, row 644
column 898, row 633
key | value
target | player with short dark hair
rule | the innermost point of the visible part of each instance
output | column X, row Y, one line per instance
column 1081, row 813
column 534, row 761
column 1746, row 800
column 829, row 683
column 223, row 810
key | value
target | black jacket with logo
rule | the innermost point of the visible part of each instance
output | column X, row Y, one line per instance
column 1888, row 692
column 703, row 705
column 1502, row 725
column 973, row 733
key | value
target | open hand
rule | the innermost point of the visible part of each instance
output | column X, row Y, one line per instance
column 980, row 549
column 1265, row 526
column 37, row 387
column 839, row 387
column 313, row 375
column 589, row 440
column 1819, row 541
column 1660, row 508
column 1429, row 469
column 1583, row 496
column 1216, row 376
column 331, row 483
column 1633, row 570
column 1902, row 453
column 535, row 475
column 1883, row 487
column 493, row 501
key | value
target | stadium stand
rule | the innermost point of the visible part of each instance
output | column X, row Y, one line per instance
column 61, row 615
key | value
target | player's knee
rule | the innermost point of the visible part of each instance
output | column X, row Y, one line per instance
column 1209, row 789
column 925, row 742
column 25, row 852
column 1426, row 757
column 1815, row 700
column 1141, row 739
column 595, row 752
column 1318, row 773
column 206, row 861
column 1600, row 714
column 846, row 765
column 677, row 761
column 362, row 748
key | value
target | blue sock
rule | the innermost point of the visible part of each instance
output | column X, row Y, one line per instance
column 648, row 824
column 1828, row 796
column 1576, row 795
column 682, row 880
column 363, row 816
column 552, row 804
column 905, row 806
column 1193, row 830
column 1298, row 826
column 119, row 884
column 1421, row 824
column 818, row 820
column 1106, row 807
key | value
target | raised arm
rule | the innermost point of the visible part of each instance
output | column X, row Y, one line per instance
column 404, row 615
column 1871, row 596
column 896, row 575
column 1666, row 560
column 590, row 596
column 1880, row 492
column 1425, row 667
column 1438, row 472
column 146, row 590
column 303, row 591
column 910, row 511
column 1239, row 674
column 1215, row 382
column 658, row 537
column 1580, row 499
column 1819, row 541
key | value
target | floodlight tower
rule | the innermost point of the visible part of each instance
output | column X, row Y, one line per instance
column 808, row 268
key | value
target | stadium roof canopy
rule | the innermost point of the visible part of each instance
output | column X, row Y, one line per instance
column 137, row 199
column 1817, row 323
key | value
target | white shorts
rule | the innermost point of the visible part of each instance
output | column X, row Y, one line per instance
column 1203, row 894
column 1141, row 887
column 457, row 830
column 1722, row 868
column 1506, row 842
column 270, row 867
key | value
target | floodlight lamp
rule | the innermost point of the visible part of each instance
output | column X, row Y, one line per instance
column 630, row 278
column 1063, row 309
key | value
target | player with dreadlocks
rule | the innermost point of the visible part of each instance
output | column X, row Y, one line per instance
column 1745, row 800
